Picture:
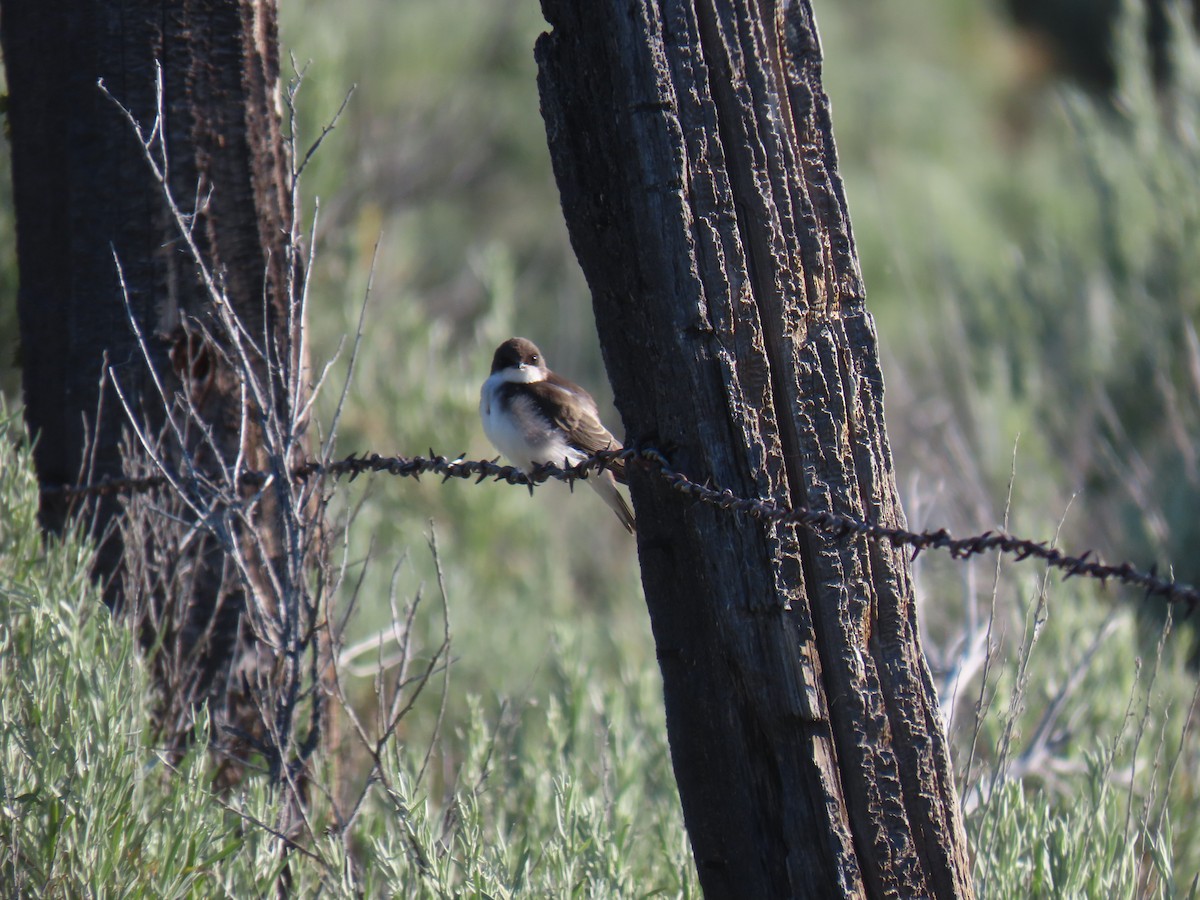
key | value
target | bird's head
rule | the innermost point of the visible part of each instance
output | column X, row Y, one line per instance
column 519, row 360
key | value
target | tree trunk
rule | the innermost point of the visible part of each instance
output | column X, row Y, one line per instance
column 693, row 150
column 85, row 194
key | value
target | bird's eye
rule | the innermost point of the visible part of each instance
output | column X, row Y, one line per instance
column 533, row 359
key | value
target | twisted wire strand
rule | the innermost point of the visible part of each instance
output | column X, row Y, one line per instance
column 836, row 525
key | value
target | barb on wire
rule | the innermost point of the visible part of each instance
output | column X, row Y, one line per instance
column 834, row 524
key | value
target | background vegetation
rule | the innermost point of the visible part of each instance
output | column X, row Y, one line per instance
column 1030, row 257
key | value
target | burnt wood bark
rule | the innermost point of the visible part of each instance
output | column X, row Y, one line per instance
column 692, row 144
column 84, row 194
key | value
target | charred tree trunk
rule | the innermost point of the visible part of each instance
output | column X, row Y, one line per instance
column 86, row 198
column 693, row 150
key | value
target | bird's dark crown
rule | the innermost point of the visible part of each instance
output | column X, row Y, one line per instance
column 515, row 352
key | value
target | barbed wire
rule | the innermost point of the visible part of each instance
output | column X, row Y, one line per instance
column 833, row 524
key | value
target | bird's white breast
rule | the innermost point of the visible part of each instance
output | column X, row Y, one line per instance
column 521, row 434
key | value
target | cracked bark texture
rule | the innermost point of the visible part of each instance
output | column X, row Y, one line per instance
column 693, row 149
column 83, row 194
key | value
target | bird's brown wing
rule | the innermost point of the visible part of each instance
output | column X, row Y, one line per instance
column 579, row 419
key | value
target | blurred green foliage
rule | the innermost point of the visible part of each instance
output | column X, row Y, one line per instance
column 567, row 788
column 1030, row 255
column 87, row 807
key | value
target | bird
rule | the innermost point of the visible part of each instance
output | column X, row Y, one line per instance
column 533, row 416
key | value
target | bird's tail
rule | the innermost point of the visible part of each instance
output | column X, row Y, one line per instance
column 604, row 484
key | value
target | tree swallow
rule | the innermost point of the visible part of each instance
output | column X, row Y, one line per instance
column 533, row 416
